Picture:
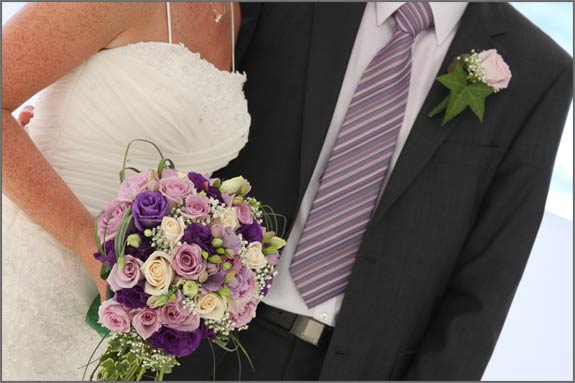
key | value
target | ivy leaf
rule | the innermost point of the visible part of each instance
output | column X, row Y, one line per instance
column 92, row 317
column 454, row 81
column 472, row 95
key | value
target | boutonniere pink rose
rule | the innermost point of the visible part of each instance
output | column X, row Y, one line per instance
column 471, row 78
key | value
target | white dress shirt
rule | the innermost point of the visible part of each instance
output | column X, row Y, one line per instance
column 375, row 31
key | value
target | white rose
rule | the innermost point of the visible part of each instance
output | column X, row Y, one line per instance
column 211, row 306
column 230, row 219
column 172, row 229
column 256, row 258
column 158, row 273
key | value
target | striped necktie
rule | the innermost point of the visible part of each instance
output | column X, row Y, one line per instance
column 358, row 163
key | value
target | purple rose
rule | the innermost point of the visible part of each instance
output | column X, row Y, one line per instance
column 200, row 235
column 114, row 317
column 175, row 189
column 134, row 184
column 177, row 343
column 146, row 322
column 188, row 262
column 143, row 251
column 244, row 314
column 172, row 316
column 251, row 233
column 196, row 206
column 128, row 277
column 110, row 254
column 110, row 219
column 243, row 287
column 133, row 298
column 244, row 213
column 148, row 209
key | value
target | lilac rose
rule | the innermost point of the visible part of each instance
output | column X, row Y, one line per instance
column 110, row 219
column 114, row 317
column 134, row 184
column 188, row 262
column 146, row 322
column 177, row 343
column 172, row 316
column 175, row 189
column 244, row 287
column 244, row 213
column 243, row 314
column 495, row 69
column 196, row 206
column 149, row 209
column 128, row 277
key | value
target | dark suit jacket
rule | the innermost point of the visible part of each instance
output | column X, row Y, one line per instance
column 444, row 253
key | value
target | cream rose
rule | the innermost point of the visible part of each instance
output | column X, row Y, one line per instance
column 158, row 273
column 230, row 219
column 211, row 306
column 172, row 229
column 255, row 258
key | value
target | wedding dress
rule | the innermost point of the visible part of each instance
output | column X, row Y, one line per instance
column 196, row 113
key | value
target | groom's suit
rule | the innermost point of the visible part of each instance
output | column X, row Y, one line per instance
column 447, row 244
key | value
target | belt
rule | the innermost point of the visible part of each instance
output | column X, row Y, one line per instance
column 305, row 328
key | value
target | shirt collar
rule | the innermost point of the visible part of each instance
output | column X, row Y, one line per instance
column 446, row 15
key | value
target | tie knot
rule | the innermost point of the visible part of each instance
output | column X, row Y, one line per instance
column 413, row 18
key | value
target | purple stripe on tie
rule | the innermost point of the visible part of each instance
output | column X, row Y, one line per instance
column 357, row 166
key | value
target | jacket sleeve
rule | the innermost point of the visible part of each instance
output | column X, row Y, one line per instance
column 463, row 330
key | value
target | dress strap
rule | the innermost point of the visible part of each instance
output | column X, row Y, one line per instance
column 233, row 36
column 168, row 13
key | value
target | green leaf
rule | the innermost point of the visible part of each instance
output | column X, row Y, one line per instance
column 473, row 96
column 92, row 317
column 120, row 240
column 454, row 81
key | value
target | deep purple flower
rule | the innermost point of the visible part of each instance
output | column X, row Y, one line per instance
column 200, row 235
column 142, row 252
column 178, row 343
column 251, row 233
column 198, row 180
column 148, row 209
column 134, row 298
column 207, row 333
column 110, row 254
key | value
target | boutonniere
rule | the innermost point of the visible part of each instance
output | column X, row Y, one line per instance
column 470, row 79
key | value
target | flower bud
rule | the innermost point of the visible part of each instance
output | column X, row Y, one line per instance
column 172, row 297
column 216, row 182
column 268, row 235
column 230, row 277
column 229, row 253
column 232, row 186
column 190, row 289
column 217, row 242
column 224, row 291
column 148, row 233
column 205, row 254
column 160, row 301
column 269, row 250
column 134, row 240
column 226, row 266
column 277, row 242
column 220, row 250
column 246, row 187
column 203, row 277
column 238, row 200
column 215, row 259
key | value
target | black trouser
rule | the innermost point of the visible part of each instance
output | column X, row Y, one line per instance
column 276, row 355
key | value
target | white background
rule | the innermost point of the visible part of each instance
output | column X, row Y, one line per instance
column 537, row 340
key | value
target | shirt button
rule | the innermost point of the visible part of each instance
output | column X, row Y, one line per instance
column 323, row 316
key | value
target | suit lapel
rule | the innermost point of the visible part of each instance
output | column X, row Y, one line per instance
column 427, row 134
column 333, row 32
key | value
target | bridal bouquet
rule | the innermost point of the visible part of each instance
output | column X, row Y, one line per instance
column 187, row 259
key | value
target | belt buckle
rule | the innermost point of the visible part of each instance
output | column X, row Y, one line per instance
column 307, row 329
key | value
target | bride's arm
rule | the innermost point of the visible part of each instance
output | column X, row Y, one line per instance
column 40, row 44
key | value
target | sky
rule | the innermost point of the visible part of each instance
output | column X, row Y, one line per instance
column 555, row 19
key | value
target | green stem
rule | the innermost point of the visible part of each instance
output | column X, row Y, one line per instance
column 141, row 373
column 439, row 108
column 213, row 360
column 91, row 356
column 123, row 171
column 161, row 374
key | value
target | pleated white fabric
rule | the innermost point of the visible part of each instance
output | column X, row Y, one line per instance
column 196, row 113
